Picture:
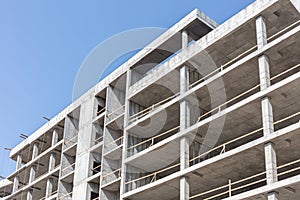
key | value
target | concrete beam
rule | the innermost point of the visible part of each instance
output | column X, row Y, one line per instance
column 296, row 4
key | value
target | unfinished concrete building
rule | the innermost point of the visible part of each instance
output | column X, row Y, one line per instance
column 206, row 111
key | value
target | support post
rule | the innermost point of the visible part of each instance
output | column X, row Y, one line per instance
column 54, row 137
column 273, row 196
column 19, row 162
column 271, row 163
column 184, row 123
column 32, row 174
column 264, row 72
column 125, row 139
column 16, row 184
column 184, row 142
column 185, row 39
column 267, row 111
column 29, row 194
column 52, row 161
column 267, row 116
column 261, row 32
column 35, row 150
column 49, row 187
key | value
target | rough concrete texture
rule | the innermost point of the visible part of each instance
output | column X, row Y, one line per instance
column 206, row 111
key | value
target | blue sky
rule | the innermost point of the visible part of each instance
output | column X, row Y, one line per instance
column 43, row 43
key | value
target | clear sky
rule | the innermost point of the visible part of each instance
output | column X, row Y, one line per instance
column 43, row 43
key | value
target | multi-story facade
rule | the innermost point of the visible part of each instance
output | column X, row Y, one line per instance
column 206, row 111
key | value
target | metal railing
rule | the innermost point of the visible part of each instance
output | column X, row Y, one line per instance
column 289, row 170
column 115, row 113
column 71, row 141
column 247, row 52
column 231, row 186
column 116, row 173
column 98, row 140
column 71, row 167
column 100, row 111
column 96, row 169
column 224, row 105
column 152, row 141
column 53, row 193
column 223, row 147
column 118, row 142
column 64, row 196
column 153, row 176
column 148, row 110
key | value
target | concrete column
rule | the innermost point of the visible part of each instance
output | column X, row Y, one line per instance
column 184, row 123
column 273, row 196
column 271, row 163
column 32, row 174
column 19, row 162
column 185, row 39
column 16, row 184
column 125, row 140
column 264, row 72
column 267, row 111
column 267, row 116
column 29, row 194
column 35, row 150
column 54, row 137
column 82, row 167
column 52, row 161
column 49, row 187
column 261, row 32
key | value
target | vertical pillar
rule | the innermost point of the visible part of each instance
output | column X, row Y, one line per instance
column 54, row 137
column 125, row 139
column 185, row 39
column 267, row 116
column 16, row 184
column 264, row 72
column 19, row 162
column 29, row 194
column 184, row 118
column 266, row 105
column 32, row 174
column 82, row 168
column 271, row 163
column 273, row 196
column 49, row 187
column 184, row 123
column 261, row 32
column 52, row 161
column 35, row 150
